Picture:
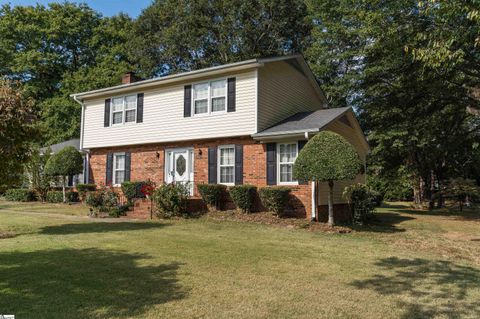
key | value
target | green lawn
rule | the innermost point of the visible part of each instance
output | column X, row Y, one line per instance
column 410, row 265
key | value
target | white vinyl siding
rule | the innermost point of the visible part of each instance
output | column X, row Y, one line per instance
column 163, row 119
column 286, row 156
column 283, row 91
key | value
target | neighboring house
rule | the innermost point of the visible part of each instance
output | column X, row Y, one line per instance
column 241, row 123
column 55, row 148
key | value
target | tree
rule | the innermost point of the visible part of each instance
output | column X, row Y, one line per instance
column 173, row 36
column 327, row 157
column 462, row 190
column 66, row 162
column 40, row 182
column 16, row 131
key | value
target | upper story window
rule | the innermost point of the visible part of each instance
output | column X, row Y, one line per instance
column 226, row 167
column 287, row 154
column 209, row 97
column 124, row 109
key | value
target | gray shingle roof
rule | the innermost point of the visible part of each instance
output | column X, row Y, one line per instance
column 304, row 122
column 59, row 146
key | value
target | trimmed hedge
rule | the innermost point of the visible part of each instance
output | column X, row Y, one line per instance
column 72, row 197
column 275, row 198
column 20, row 195
column 55, row 197
column 243, row 196
column 212, row 194
column 171, row 200
column 133, row 190
column 83, row 189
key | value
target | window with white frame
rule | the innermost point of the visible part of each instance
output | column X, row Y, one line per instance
column 124, row 109
column 118, row 168
column 210, row 97
column 287, row 154
column 226, row 164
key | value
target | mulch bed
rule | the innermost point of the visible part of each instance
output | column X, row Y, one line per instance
column 268, row 218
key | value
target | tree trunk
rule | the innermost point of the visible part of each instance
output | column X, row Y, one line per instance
column 63, row 190
column 431, row 203
column 330, row 203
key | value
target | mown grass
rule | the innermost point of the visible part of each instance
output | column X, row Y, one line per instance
column 407, row 265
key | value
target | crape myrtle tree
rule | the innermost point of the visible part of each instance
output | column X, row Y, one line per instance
column 66, row 162
column 327, row 157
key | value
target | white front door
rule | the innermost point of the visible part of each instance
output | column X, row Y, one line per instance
column 179, row 166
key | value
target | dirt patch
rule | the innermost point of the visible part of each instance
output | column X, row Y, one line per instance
column 461, row 236
column 4, row 235
column 268, row 218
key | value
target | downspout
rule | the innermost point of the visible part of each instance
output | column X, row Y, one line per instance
column 87, row 155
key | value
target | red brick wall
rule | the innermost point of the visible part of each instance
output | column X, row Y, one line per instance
column 147, row 165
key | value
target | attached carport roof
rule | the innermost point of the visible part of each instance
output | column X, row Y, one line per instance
column 303, row 122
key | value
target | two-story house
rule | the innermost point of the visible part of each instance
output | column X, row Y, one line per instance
column 240, row 123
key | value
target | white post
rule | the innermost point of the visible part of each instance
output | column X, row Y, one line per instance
column 314, row 202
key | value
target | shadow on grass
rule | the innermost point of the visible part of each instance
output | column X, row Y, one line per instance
column 385, row 223
column 85, row 283
column 98, row 227
column 427, row 288
column 466, row 214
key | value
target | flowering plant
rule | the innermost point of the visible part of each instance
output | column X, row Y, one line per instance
column 148, row 189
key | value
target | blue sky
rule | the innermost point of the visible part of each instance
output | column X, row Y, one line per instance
column 106, row 7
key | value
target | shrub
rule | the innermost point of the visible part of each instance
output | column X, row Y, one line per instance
column 72, row 197
column 275, row 198
column 212, row 194
column 19, row 195
column 171, row 200
column 120, row 210
column 84, row 188
column 55, row 197
column 133, row 190
column 361, row 200
column 243, row 196
column 104, row 200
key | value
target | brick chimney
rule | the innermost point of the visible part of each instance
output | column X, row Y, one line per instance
column 129, row 77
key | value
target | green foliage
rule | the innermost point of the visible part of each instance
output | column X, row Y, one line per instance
column 66, row 162
column 243, row 196
column 120, row 210
column 212, row 194
column 171, row 200
column 19, row 195
column 40, row 182
column 55, row 197
column 327, row 157
column 173, row 36
column 132, row 190
column 462, row 190
column 362, row 201
column 275, row 198
column 73, row 197
column 395, row 186
column 16, row 130
column 104, row 200
column 84, row 188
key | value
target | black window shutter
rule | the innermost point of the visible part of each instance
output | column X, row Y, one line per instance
column 187, row 101
column 106, row 117
column 139, row 107
column 109, row 169
column 128, row 161
column 212, row 165
column 239, row 164
column 301, row 144
column 271, row 163
column 231, row 95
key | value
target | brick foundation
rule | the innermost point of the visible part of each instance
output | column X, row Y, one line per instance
column 147, row 163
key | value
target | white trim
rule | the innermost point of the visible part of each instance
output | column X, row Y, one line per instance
column 256, row 100
column 314, row 208
column 124, row 109
column 209, row 97
column 232, row 146
column 114, row 170
column 294, row 182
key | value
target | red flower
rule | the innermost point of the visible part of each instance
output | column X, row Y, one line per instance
column 147, row 189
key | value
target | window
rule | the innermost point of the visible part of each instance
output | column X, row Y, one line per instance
column 124, row 109
column 210, row 97
column 118, row 168
column 226, row 167
column 287, row 154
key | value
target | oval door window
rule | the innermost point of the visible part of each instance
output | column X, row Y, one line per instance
column 181, row 165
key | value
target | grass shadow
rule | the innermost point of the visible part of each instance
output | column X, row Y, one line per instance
column 87, row 283
column 426, row 288
column 99, row 227
column 385, row 222
column 466, row 214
